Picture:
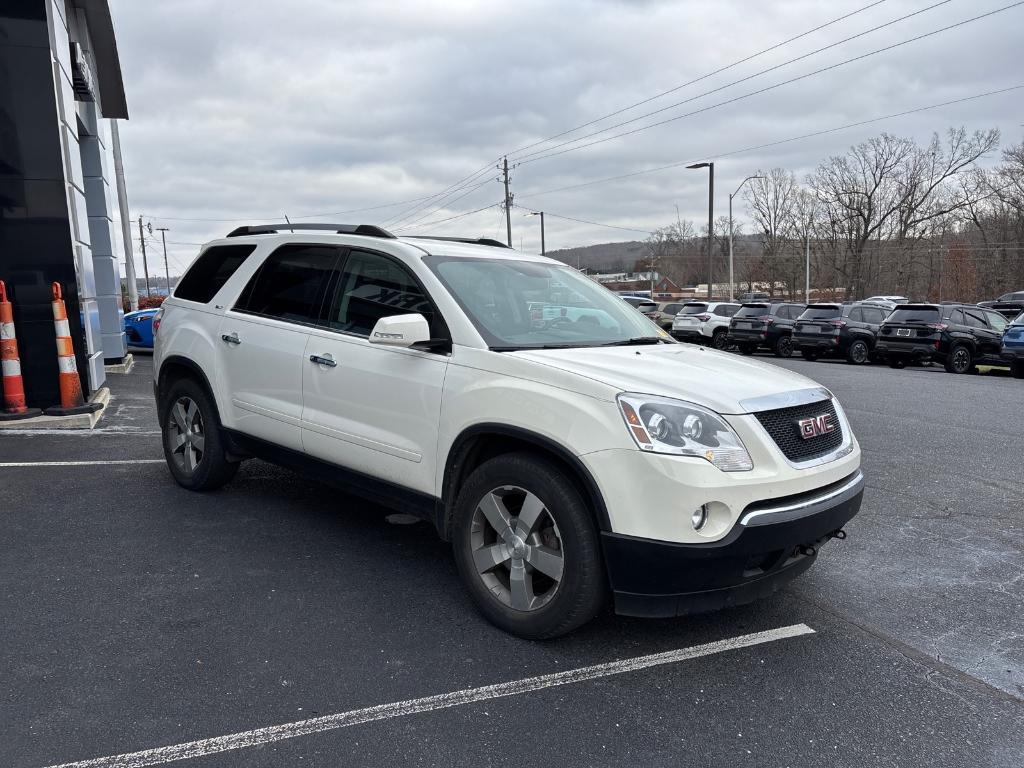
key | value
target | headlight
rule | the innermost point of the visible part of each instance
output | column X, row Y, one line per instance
column 663, row 425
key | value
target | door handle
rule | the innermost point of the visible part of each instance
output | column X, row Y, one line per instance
column 231, row 338
column 323, row 360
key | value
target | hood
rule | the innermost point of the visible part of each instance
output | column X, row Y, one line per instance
column 140, row 313
column 716, row 380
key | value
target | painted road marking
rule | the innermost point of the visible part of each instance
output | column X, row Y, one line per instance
column 212, row 746
column 78, row 463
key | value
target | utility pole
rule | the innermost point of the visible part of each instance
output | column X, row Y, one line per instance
column 508, row 204
column 145, row 264
column 807, row 273
column 126, row 223
column 167, row 271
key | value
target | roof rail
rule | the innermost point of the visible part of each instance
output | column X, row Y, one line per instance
column 369, row 230
column 471, row 240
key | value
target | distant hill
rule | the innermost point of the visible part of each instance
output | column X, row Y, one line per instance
column 603, row 257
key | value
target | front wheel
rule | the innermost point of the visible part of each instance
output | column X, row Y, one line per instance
column 193, row 446
column 959, row 359
column 858, row 352
column 526, row 547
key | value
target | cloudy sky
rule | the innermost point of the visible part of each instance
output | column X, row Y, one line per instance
column 249, row 110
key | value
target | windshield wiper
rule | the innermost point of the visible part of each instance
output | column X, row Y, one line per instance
column 634, row 340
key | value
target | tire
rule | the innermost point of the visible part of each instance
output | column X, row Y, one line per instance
column 959, row 359
column 542, row 606
column 897, row 362
column 196, row 464
column 783, row 346
column 1017, row 369
column 858, row 352
column 719, row 339
column 747, row 349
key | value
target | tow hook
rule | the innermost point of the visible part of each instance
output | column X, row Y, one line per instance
column 808, row 550
column 840, row 534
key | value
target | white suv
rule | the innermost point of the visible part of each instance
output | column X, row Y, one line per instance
column 567, row 456
column 706, row 322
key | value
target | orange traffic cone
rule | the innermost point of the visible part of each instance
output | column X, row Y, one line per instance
column 71, row 399
column 13, row 389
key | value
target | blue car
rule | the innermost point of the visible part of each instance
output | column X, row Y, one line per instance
column 1013, row 346
column 138, row 328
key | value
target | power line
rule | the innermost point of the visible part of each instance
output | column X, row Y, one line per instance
column 773, row 87
column 461, row 215
column 438, row 197
column 434, row 211
column 767, row 145
column 699, row 79
column 597, row 223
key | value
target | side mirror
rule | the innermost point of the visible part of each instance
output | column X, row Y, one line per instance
column 400, row 331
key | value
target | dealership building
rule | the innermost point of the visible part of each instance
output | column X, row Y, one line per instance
column 60, row 88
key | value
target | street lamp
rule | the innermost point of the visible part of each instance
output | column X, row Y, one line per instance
column 541, row 214
column 732, row 284
column 711, row 216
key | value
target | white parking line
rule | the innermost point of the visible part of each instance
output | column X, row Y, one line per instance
column 211, row 746
column 78, row 463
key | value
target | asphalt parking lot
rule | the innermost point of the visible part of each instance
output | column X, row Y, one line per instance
column 141, row 620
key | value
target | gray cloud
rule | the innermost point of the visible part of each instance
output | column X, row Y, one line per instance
column 252, row 109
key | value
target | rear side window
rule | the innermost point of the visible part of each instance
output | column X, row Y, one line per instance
column 373, row 286
column 291, row 284
column 211, row 271
column 857, row 315
column 956, row 317
column 874, row 315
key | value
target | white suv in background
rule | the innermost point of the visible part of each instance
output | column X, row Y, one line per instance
column 706, row 322
column 568, row 457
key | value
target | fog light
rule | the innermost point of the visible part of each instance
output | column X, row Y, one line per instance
column 699, row 517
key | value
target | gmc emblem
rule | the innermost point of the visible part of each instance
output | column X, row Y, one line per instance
column 815, row 426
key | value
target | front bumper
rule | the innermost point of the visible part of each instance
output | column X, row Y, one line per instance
column 771, row 544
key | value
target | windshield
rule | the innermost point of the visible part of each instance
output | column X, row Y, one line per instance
column 914, row 315
column 820, row 313
column 693, row 309
column 757, row 310
column 528, row 304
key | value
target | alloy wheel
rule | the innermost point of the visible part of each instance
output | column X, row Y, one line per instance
column 186, row 434
column 859, row 352
column 961, row 359
column 517, row 548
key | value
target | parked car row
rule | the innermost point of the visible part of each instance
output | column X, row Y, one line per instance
column 958, row 336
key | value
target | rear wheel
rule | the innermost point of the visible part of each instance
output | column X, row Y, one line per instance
column 193, row 446
column 808, row 355
column 959, row 359
column 719, row 339
column 527, row 548
column 783, row 346
column 858, row 352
